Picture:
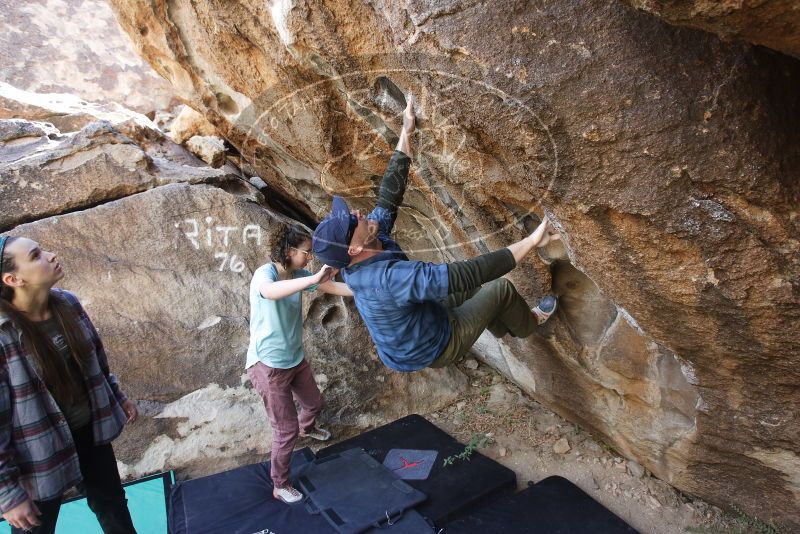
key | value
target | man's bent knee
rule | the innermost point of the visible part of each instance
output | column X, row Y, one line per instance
column 503, row 285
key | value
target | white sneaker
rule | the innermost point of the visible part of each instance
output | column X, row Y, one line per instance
column 545, row 308
column 319, row 434
column 287, row 494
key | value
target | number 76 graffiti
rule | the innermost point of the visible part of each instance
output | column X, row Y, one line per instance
column 236, row 265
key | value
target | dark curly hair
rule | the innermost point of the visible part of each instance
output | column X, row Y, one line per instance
column 294, row 236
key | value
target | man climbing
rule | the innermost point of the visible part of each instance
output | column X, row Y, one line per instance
column 423, row 314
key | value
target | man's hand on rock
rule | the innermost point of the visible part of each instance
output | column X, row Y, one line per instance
column 409, row 117
column 549, row 238
column 550, row 233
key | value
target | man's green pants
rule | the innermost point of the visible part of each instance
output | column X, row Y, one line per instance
column 473, row 307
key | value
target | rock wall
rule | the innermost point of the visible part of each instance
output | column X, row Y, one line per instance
column 161, row 249
column 775, row 24
column 76, row 47
column 668, row 158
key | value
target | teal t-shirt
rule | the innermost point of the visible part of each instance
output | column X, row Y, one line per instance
column 276, row 326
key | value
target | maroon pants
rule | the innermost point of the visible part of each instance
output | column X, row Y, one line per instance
column 276, row 387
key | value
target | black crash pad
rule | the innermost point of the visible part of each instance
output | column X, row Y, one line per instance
column 450, row 490
column 410, row 523
column 240, row 501
column 353, row 491
column 553, row 506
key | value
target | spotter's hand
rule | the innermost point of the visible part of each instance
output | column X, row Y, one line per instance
column 325, row 274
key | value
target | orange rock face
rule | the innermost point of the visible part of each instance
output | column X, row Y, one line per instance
column 668, row 158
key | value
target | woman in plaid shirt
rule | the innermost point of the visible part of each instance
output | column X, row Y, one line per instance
column 60, row 407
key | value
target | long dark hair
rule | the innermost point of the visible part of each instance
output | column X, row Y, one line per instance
column 51, row 364
column 293, row 236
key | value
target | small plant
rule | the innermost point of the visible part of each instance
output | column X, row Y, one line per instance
column 744, row 524
column 755, row 523
column 477, row 441
column 508, row 419
column 607, row 447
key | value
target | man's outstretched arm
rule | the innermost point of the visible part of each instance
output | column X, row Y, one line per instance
column 421, row 281
column 393, row 184
column 409, row 125
column 469, row 274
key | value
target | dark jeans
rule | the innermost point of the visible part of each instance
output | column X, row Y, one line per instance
column 101, row 485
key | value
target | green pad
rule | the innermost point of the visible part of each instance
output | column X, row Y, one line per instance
column 147, row 502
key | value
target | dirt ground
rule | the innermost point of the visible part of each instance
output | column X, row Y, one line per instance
column 530, row 439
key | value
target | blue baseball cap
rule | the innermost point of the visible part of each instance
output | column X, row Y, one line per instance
column 332, row 236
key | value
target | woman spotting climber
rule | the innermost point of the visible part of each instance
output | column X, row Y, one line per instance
column 60, row 407
column 423, row 314
column 275, row 362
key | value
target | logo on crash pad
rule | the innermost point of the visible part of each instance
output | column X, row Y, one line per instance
column 410, row 464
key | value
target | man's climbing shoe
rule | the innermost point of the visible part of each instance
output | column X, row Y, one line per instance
column 287, row 494
column 545, row 308
column 319, row 434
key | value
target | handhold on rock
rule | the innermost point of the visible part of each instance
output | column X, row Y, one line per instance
column 389, row 94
